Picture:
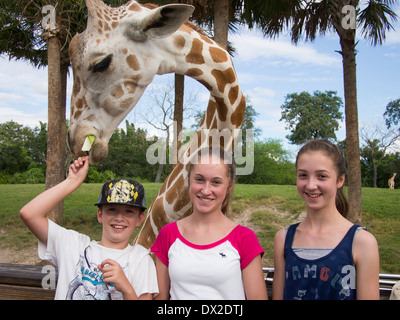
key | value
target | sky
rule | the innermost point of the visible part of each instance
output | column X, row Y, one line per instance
column 267, row 70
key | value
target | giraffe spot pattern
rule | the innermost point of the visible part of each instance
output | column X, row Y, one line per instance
column 194, row 72
column 223, row 77
column 218, row 55
column 238, row 114
column 179, row 42
column 133, row 62
column 195, row 55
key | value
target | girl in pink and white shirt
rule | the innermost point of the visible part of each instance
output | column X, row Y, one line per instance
column 206, row 255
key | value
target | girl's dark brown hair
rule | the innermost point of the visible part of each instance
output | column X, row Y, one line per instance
column 229, row 163
column 334, row 152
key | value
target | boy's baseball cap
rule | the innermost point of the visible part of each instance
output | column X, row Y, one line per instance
column 122, row 191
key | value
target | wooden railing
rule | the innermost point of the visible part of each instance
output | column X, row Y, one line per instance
column 25, row 282
column 386, row 282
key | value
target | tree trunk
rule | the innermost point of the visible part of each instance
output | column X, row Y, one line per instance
column 352, row 139
column 221, row 22
column 178, row 114
column 55, row 172
column 375, row 167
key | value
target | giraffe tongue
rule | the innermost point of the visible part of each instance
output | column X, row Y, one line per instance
column 87, row 145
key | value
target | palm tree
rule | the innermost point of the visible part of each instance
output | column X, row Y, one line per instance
column 23, row 37
column 312, row 17
column 42, row 38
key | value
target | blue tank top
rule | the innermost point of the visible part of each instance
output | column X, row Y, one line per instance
column 331, row 277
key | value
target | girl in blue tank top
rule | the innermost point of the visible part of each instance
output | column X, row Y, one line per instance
column 325, row 256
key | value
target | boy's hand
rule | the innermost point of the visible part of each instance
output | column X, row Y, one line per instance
column 79, row 168
column 113, row 273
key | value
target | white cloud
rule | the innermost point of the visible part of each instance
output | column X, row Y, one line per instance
column 261, row 98
column 25, row 119
column 251, row 78
column 279, row 52
column 6, row 98
column 22, row 85
column 393, row 37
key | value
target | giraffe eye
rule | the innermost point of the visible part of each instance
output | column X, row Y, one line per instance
column 102, row 65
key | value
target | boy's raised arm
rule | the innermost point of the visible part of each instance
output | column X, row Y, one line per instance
column 34, row 213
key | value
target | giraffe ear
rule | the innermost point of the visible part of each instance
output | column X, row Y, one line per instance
column 163, row 21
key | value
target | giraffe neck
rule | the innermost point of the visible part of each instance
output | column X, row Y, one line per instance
column 204, row 60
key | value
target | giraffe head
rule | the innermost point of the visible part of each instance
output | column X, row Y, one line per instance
column 113, row 62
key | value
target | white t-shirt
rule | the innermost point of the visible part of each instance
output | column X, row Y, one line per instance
column 77, row 257
column 206, row 272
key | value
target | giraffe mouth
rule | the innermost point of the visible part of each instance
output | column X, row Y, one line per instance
column 97, row 151
column 87, row 144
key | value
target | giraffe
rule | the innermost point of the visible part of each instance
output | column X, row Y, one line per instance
column 116, row 58
column 391, row 181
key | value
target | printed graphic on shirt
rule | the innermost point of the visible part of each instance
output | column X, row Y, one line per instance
column 322, row 279
column 88, row 283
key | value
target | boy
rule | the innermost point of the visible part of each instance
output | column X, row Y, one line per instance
column 108, row 269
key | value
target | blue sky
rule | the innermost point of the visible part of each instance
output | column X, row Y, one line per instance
column 267, row 70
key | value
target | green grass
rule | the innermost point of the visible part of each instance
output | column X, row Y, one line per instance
column 272, row 208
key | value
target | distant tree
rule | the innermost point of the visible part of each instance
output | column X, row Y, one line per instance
column 162, row 116
column 311, row 117
column 392, row 113
column 250, row 117
column 127, row 154
column 377, row 143
column 37, row 148
column 390, row 164
column 21, row 147
column 13, row 153
column 272, row 164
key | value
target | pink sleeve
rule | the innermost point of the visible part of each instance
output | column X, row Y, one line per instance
column 163, row 242
column 246, row 242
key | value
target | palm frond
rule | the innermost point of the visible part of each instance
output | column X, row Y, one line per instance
column 375, row 19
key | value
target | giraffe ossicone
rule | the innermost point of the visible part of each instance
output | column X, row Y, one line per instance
column 113, row 62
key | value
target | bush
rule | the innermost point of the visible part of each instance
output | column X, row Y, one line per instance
column 271, row 165
column 94, row 176
column 31, row 176
column 34, row 175
column 5, row 178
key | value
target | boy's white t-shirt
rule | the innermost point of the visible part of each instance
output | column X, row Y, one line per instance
column 206, row 272
column 77, row 258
